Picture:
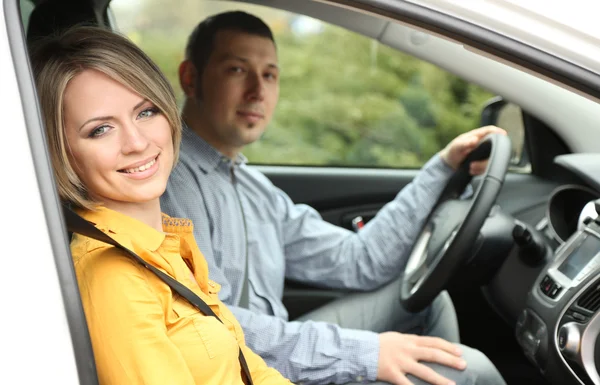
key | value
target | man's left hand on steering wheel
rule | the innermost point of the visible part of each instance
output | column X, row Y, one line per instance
column 457, row 150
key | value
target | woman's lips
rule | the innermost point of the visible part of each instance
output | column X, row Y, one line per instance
column 143, row 171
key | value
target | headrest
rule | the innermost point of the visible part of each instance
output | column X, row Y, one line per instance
column 53, row 16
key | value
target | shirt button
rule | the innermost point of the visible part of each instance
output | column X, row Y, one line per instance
column 359, row 378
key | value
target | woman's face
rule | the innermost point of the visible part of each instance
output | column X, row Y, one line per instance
column 120, row 144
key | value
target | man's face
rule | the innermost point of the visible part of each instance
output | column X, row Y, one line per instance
column 239, row 90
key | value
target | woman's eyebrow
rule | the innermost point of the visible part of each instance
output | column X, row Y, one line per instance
column 110, row 117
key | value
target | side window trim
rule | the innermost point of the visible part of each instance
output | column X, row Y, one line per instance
column 80, row 338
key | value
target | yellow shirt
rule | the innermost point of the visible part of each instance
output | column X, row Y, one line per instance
column 141, row 332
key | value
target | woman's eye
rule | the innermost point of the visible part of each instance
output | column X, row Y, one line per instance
column 270, row 76
column 148, row 112
column 236, row 70
column 98, row 131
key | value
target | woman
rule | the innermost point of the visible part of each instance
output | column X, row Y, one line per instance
column 113, row 132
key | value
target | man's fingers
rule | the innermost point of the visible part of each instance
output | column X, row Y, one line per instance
column 476, row 135
column 470, row 143
column 402, row 380
column 441, row 357
column 478, row 167
column 399, row 377
column 465, row 145
column 439, row 343
column 428, row 375
column 471, row 140
column 486, row 130
column 404, row 355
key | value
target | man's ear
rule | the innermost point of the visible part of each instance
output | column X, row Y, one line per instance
column 188, row 78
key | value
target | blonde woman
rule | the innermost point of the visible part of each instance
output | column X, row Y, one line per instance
column 113, row 132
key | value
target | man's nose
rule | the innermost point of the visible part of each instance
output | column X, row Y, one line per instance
column 256, row 87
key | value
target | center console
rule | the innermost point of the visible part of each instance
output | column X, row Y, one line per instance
column 559, row 328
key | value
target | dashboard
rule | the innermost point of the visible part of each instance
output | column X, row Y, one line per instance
column 567, row 207
column 558, row 326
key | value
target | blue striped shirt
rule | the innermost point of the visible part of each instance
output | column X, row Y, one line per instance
column 237, row 213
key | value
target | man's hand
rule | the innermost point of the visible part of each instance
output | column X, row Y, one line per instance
column 400, row 354
column 457, row 150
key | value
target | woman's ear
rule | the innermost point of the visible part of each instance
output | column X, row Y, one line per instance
column 188, row 78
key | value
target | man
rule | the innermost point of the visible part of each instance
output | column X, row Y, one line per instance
column 253, row 236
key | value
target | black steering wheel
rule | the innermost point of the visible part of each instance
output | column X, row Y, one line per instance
column 453, row 226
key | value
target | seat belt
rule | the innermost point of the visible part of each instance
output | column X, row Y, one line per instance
column 77, row 224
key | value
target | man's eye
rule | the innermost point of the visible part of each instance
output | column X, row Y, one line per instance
column 236, row 70
column 148, row 112
column 270, row 76
column 98, row 131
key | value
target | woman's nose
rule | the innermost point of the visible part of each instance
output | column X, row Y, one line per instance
column 133, row 139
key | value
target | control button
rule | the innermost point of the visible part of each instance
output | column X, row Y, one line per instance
column 579, row 317
column 562, row 339
column 545, row 280
column 546, row 285
column 569, row 338
column 529, row 337
column 555, row 290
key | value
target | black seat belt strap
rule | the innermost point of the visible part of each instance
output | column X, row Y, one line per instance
column 77, row 224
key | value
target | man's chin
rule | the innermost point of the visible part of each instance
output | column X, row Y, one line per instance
column 250, row 137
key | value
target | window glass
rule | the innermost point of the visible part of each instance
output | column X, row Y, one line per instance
column 26, row 9
column 510, row 118
column 345, row 100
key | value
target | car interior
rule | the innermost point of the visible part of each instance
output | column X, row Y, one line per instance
column 526, row 251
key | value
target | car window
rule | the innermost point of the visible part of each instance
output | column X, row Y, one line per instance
column 345, row 99
column 511, row 119
column 26, row 9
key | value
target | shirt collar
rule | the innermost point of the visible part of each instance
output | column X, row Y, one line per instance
column 125, row 227
column 205, row 155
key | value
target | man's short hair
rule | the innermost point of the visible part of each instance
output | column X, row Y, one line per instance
column 200, row 44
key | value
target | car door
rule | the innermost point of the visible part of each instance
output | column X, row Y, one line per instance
column 42, row 325
column 43, row 331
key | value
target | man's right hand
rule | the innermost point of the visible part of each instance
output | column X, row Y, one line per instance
column 401, row 354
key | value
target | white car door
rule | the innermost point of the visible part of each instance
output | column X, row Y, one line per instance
column 36, row 341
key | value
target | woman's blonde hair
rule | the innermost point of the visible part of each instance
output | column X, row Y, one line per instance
column 58, row 59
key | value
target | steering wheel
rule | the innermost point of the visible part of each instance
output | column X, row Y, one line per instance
column 452, row 228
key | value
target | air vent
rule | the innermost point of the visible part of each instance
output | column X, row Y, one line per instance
column 590, row 300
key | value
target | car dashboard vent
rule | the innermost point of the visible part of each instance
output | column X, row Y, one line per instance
column 590, row 300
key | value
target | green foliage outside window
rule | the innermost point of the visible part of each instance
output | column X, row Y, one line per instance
column 345, row 100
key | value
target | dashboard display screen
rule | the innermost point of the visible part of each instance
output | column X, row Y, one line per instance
column 580, row 256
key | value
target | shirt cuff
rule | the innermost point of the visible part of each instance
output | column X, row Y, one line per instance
column 362, row 347
column 437, row 163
